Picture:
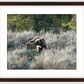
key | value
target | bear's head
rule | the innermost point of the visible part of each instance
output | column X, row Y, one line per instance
column 40, row 42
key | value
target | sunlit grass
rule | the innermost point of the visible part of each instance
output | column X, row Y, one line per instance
column 61, row 53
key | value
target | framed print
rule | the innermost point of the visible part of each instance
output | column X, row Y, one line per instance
column 41, row 41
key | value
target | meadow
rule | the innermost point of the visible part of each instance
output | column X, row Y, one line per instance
column 61, row 52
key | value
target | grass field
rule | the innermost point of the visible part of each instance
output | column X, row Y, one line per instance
column 61, row 52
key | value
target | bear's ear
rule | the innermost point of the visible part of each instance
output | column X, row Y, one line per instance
column 42, row 40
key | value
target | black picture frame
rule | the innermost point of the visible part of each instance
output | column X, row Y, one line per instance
column 42, row 79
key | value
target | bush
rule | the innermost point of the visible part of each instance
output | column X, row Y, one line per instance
column 54, row 59
column 61, row 53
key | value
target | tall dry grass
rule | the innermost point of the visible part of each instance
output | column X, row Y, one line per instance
column 61, row 53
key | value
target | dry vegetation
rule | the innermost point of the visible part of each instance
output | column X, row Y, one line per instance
column 61, row 53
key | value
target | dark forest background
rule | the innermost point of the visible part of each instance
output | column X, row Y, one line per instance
column 38, row 22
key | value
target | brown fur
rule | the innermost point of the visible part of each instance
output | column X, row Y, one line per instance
column 39, row 43
column 32, row 40
column 42, row 44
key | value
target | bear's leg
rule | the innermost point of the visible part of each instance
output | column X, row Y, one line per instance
column 40, row 50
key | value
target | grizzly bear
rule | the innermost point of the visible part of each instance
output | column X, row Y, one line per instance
column 39, row 43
